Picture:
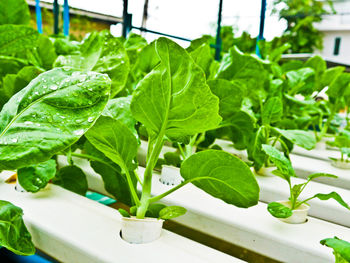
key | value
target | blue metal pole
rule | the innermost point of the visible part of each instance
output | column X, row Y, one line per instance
column 261, row 28
column 218, row 35
column 55, row 17
column 39, row 23
column 66, row 18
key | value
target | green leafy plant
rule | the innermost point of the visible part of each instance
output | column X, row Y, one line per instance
column 173, row 102
column 342, row 142
column 341, row 249
column 286, row 172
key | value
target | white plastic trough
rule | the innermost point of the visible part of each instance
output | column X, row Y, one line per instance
column 72, row 228
column 252, row 228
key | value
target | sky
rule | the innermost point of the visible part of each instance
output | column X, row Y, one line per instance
column 189, row 18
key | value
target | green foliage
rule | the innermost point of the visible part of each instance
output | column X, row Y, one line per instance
column 68, row 101
column 341, row 249
column 232, row 181
column 184, row 105
column 72, row 178
column 35, row 177
column 301, row 15
column 13, row 233
column 278, row 210
column 100, row 52
column 14, row 12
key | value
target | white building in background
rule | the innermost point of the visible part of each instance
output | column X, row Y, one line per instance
column 336, row 29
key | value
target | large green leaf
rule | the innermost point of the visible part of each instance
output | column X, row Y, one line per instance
column 14, row 12
column 35, row 177
column 230, row 95
column 72, row 178
column 301, row 138
column 101, row 52
column 340, row 247
column 282, row 163
column 17, row 38
column 115, row 140
column 237, row 66
column 272, row 111
column 50, row 114
column 174, row 98
column 223, row 176
column 13, row 233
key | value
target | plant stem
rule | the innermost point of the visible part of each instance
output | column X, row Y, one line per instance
column 147, row 181
column 124, row 169
column 329, row 120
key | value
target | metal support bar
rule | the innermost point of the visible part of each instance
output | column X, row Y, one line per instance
column 261, row 28
column 39, row 22
column 66, row 18
column 126, row 19
column 218, row 32
column 159, row 33
column 56, row 11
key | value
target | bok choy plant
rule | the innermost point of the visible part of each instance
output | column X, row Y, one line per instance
column 285, row 171
column 173, row 102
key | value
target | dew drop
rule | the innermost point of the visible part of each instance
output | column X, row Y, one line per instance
column 54, row 87
column 28, row 122
column 14, row 140
column 79, row 132
column 90, row 119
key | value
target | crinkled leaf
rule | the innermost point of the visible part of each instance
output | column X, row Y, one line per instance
column 278, row 210
column 230, row 95
column 223, row 176
column 101, row 52
column 203, row 58
column 174, row 96
column 17, row 38
column 14, row 12
column 278, row 158
column 35, row 177
column 272, row 111
column 248, row 69
column 170, row 212
column 301, row 138
column 48, row 115
column 119, row 109
column 333, row 195
column 13, row 233
column 72, row 178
